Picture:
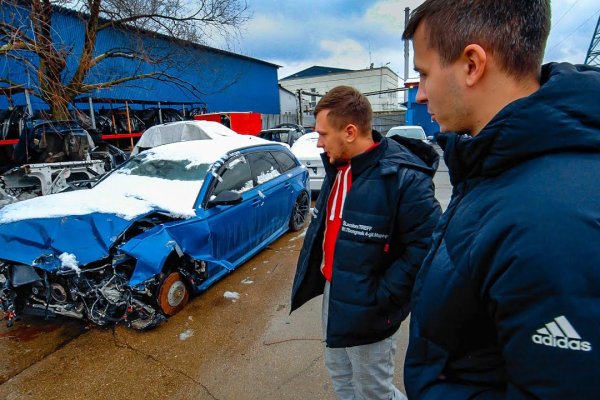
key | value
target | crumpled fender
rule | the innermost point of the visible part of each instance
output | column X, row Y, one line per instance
column 152, row 248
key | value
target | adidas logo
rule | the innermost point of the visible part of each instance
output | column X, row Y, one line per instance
column 560, row 333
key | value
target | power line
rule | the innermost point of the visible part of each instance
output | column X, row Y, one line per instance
column 575, row 30
column 566, row 12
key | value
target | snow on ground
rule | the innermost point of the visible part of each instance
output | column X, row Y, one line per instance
column 247, row 281
column 231, row 296
column 188, row 333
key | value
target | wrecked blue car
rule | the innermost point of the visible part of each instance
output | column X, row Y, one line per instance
column 167, row 223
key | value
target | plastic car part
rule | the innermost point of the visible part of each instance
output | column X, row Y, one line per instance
column 173, row 294
column 299, row 212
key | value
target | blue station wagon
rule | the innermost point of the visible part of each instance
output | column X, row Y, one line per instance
column 169, row 222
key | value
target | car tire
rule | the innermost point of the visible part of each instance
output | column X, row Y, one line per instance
column 299, row 212
column 173, row 294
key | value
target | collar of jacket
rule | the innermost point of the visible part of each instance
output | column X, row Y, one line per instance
column 359, row 162
column 561, row 116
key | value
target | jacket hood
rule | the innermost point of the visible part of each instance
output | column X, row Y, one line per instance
column 562, row 116
column 392, row 153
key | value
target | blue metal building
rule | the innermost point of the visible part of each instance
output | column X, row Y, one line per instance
column 416, row 114
column 228, row 81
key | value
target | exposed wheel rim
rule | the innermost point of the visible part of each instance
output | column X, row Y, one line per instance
column 173, row 294
column 301, row 208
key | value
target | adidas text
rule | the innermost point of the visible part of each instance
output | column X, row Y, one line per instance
column 562, row 342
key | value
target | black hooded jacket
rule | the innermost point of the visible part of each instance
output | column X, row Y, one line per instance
column 507, row 303
column 388, row 217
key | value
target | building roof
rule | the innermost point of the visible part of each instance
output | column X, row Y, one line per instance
column 316, row 71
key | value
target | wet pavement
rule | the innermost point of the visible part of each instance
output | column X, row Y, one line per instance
column 215, row 348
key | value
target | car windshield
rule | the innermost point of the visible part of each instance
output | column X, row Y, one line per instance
column 412, row 133
column 148, row 165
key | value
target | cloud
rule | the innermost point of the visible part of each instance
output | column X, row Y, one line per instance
column 353, row 34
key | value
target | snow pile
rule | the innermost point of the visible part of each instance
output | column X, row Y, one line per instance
column 247, row 281
column 69, row 260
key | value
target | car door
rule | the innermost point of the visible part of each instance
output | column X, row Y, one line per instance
column 232, row 227
column 275, row 191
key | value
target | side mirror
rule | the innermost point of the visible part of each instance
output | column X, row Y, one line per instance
column 226, row 198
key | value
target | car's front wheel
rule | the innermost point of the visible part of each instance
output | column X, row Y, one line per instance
column 173, row 294
column 300, row 212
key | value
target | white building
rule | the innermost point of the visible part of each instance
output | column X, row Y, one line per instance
column 288, row 102
column 371, row 82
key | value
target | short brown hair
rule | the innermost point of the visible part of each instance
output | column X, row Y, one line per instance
column 514, row 31
column 346, row 105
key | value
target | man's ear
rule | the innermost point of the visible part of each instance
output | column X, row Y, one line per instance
column 475, row 59
column 351, row 133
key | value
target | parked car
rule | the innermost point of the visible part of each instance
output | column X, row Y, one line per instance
column 306, row 150
column 169, row 222
column 181, row 131
column 281, row 135
column 409, row 131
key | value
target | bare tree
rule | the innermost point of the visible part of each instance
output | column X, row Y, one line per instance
column 28, row 38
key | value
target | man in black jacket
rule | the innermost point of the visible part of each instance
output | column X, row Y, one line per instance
column 369, row 234
column 507, row 303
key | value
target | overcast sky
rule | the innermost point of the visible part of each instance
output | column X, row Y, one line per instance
column 354, row 33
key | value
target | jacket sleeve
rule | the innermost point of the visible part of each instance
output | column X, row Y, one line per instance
column 417, row 214
column 540, row 284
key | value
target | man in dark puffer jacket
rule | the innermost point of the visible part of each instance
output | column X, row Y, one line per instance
column 374, row 218
column 507, row 303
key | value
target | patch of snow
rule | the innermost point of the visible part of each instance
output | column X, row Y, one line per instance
column 232, row 295
column 247, row 186
column 267, row 176
column 188, row 333
column 69, row 260
column 247, row 281
column 125, row 195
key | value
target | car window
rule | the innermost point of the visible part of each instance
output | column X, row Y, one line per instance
column 235, row 176
column 285, row 161
column 295, row 136
column 264, row 167
column 148, row 165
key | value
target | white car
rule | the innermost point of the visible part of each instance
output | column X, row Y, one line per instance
column 181, row 131
column 306, row 150
column 409, row 131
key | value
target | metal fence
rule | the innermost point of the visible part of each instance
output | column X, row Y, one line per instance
column 382, row 122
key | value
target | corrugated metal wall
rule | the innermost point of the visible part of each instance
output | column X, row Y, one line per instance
column 228, row 82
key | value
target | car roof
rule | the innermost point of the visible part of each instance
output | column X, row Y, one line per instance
column 403, row 127
column 207, row 151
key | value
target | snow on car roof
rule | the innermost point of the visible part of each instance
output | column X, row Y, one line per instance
column 129, row 196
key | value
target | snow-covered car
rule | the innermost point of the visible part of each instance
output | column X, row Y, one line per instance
column 167, row 223
column 306, row 150
column 409, row 131
column 180, row 131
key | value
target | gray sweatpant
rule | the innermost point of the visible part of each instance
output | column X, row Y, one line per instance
column 361, row 372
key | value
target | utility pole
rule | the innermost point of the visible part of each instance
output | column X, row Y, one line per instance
column 406, row 55
column 299, row 94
